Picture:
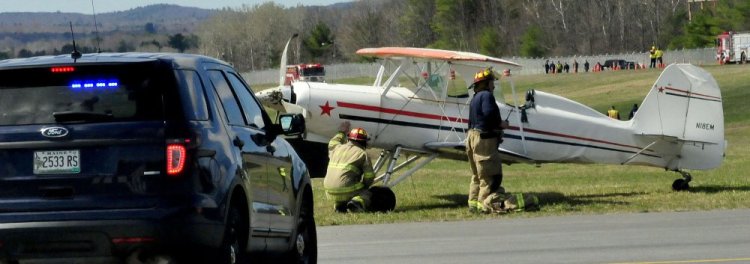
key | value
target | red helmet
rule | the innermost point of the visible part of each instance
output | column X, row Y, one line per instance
column 358, row 134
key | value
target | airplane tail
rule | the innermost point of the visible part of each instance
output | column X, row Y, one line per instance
column 684, row 108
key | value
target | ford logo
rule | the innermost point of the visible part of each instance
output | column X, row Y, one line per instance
column 54, row 132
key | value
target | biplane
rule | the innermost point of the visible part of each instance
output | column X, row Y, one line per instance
column 412, row 108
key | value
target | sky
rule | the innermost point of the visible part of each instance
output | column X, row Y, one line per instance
column 105, row 6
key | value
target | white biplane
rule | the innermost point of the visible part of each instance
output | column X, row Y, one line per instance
column 679, row 126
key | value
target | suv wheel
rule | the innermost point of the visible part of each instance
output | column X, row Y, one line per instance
column 305, row 247
column 230, row 251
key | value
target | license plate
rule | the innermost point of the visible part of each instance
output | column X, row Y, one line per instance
column 57, row 162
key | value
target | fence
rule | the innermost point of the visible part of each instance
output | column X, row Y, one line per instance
column 702, row 56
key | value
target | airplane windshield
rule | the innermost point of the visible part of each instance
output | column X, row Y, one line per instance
column 498, row 93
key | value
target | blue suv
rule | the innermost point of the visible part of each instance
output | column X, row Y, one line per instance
column 108, row 157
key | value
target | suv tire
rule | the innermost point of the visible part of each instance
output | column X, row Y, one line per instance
column 305, row 247
column 230, row 251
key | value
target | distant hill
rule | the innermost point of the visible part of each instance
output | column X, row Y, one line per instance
column 166, row 19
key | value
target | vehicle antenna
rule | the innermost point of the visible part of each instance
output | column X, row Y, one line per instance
column 96, row 29
column 75, row 54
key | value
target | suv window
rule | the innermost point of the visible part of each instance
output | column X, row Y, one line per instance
column 228, row 99
column 194, row 100
column 252, row 109
column 83, row 93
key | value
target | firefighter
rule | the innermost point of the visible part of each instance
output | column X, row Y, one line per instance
column 613, row 113
column 658, row 53
column 350, row 173
column 484, row 136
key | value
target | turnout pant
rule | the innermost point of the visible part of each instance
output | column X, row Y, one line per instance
column 486, row 169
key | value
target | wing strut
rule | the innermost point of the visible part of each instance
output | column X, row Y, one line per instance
column 394, row 77
column 520, row 124
column 393, row 166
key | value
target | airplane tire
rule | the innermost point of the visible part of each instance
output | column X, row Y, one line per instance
column 680, row 185
column 382, row 199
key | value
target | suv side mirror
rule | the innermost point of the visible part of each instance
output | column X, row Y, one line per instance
column 292, row 124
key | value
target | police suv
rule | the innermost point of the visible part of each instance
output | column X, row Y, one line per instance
column 114, row 156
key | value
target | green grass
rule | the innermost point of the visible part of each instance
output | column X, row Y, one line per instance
column 438, row 192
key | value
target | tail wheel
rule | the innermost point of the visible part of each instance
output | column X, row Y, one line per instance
column 680, row 185
column 684, row 183
column 305, row 247
column 230, row 251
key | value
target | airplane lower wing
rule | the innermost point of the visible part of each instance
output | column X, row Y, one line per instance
column 458, row 150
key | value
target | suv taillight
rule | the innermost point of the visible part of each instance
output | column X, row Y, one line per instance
column 176, row 155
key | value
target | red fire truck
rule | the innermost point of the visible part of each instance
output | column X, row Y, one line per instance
column 732, row 47
column 313, row 72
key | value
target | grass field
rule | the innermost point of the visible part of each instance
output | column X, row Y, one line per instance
column 438, row 192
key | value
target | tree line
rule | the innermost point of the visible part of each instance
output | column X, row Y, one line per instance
column 251, row 37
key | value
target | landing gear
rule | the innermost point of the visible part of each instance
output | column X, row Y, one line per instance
column 682, row 184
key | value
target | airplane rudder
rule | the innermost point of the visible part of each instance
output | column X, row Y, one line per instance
column 684, row 102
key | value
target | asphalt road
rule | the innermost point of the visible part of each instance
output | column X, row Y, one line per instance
column 679, row 237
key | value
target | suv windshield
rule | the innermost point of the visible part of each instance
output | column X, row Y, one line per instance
column 83, row 93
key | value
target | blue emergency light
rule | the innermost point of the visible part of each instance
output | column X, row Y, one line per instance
column 94, row 84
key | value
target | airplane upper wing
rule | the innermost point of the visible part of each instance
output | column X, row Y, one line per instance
column 459, row 57
column 459, row 148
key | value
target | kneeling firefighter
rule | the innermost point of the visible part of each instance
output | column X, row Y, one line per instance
column 349, row 174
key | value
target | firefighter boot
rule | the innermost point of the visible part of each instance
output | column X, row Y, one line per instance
column 356, row 205
column 339, row 207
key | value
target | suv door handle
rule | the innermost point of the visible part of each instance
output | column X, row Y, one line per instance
column 238, row 142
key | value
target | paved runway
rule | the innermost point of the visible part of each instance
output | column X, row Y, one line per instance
column 679, row 237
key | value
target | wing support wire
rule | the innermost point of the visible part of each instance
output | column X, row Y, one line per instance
column 638, row 153
column 394, row 166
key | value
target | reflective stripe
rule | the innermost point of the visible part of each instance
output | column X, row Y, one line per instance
column 359, row 200
column 520, row 202
column 369, row 175
column 347, row 167
column 346, row 189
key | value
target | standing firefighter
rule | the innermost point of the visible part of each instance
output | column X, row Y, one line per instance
column 349, row 172
column 485, row 134
column 613, row 113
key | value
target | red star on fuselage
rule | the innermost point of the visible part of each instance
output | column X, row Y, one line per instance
column 326, row 109
column 661, row 89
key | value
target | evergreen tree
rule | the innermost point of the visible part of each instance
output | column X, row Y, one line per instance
column 489, row 42
column 446, row 24
column 320, row 41
column 182, row 43
column 531, row 43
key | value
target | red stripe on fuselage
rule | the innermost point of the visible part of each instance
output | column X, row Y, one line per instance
column 438, row 117
column 573, row 137
column 399, row 112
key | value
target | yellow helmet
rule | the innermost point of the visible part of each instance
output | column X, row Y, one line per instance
column 486, row 74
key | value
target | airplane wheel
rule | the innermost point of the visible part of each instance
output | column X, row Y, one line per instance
column 382, row 199
column 680, row 185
